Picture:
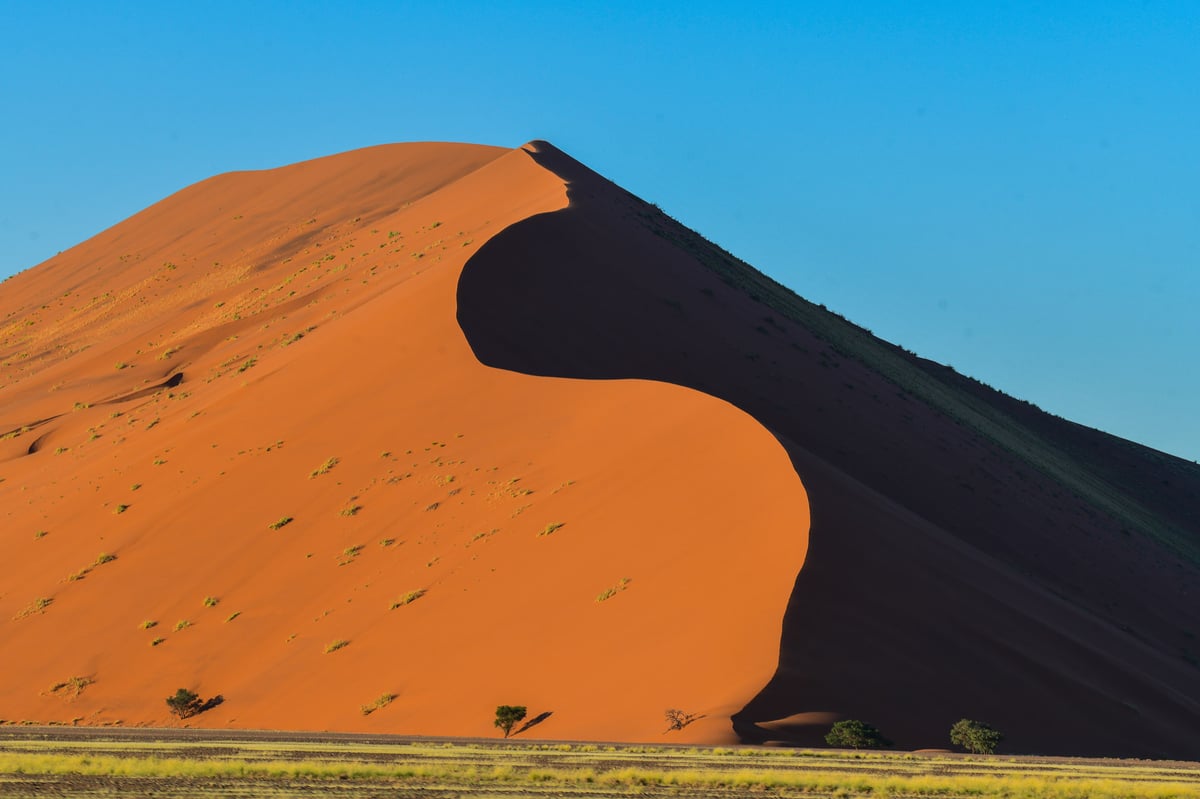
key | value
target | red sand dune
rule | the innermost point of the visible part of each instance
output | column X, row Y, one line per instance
column 482, row 344
column 449, row 478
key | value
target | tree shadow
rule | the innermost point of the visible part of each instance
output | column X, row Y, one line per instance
column 533, row 722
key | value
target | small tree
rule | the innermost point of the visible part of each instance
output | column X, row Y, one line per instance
column 507, row 717
column 855, row 734
column 975, row 736
column 185, row 703
column 678, row 719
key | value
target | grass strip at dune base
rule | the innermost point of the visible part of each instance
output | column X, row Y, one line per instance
column 280, row 769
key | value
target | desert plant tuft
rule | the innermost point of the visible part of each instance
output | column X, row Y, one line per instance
column 324, row 467
column 975, row 736
column 282, row 522
column 855, row 734
column 507, row 717
column 184, row 703
column 383, row 701
column 408, row 599
column 73, row 686
column 334, row 646
column 211, row 601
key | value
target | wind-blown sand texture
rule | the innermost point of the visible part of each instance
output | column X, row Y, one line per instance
column 429, row 356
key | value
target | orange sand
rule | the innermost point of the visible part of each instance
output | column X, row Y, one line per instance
column 446, row 472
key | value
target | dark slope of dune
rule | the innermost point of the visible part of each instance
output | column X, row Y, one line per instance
column 970, row 555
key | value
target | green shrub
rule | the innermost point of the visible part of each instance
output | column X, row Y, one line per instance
column 184, row 703
column 507, row 717
column 855, row 734
column 975, row 736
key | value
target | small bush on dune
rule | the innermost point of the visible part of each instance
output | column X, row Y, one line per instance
column 184, row 703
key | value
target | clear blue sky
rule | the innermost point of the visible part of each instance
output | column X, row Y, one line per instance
column 1011, row 188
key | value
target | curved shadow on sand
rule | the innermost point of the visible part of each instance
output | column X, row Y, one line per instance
column 919, row 528
column 523, row 309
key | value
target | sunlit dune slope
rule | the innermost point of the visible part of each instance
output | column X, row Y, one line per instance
column 246, row 449
column 971, row 556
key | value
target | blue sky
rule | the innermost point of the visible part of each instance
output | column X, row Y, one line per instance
column 1011, row 188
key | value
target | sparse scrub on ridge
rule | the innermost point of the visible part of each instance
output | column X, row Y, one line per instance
column 324, row 467
column 408, row 599
column 380, row 702
column 609, row 593
column 38, row 605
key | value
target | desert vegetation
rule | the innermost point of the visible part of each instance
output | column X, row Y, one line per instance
column 855, row 734
column 975, row 736
column 508, row 716
column 184, row 703
column 242, row 764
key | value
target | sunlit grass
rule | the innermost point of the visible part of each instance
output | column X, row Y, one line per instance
column 216, row 767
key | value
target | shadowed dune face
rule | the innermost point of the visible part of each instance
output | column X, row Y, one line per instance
column 968, row 558
column 245, row 449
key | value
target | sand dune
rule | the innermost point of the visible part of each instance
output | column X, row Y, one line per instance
column 970, row 555
column 281, row 346
column 471, row 426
